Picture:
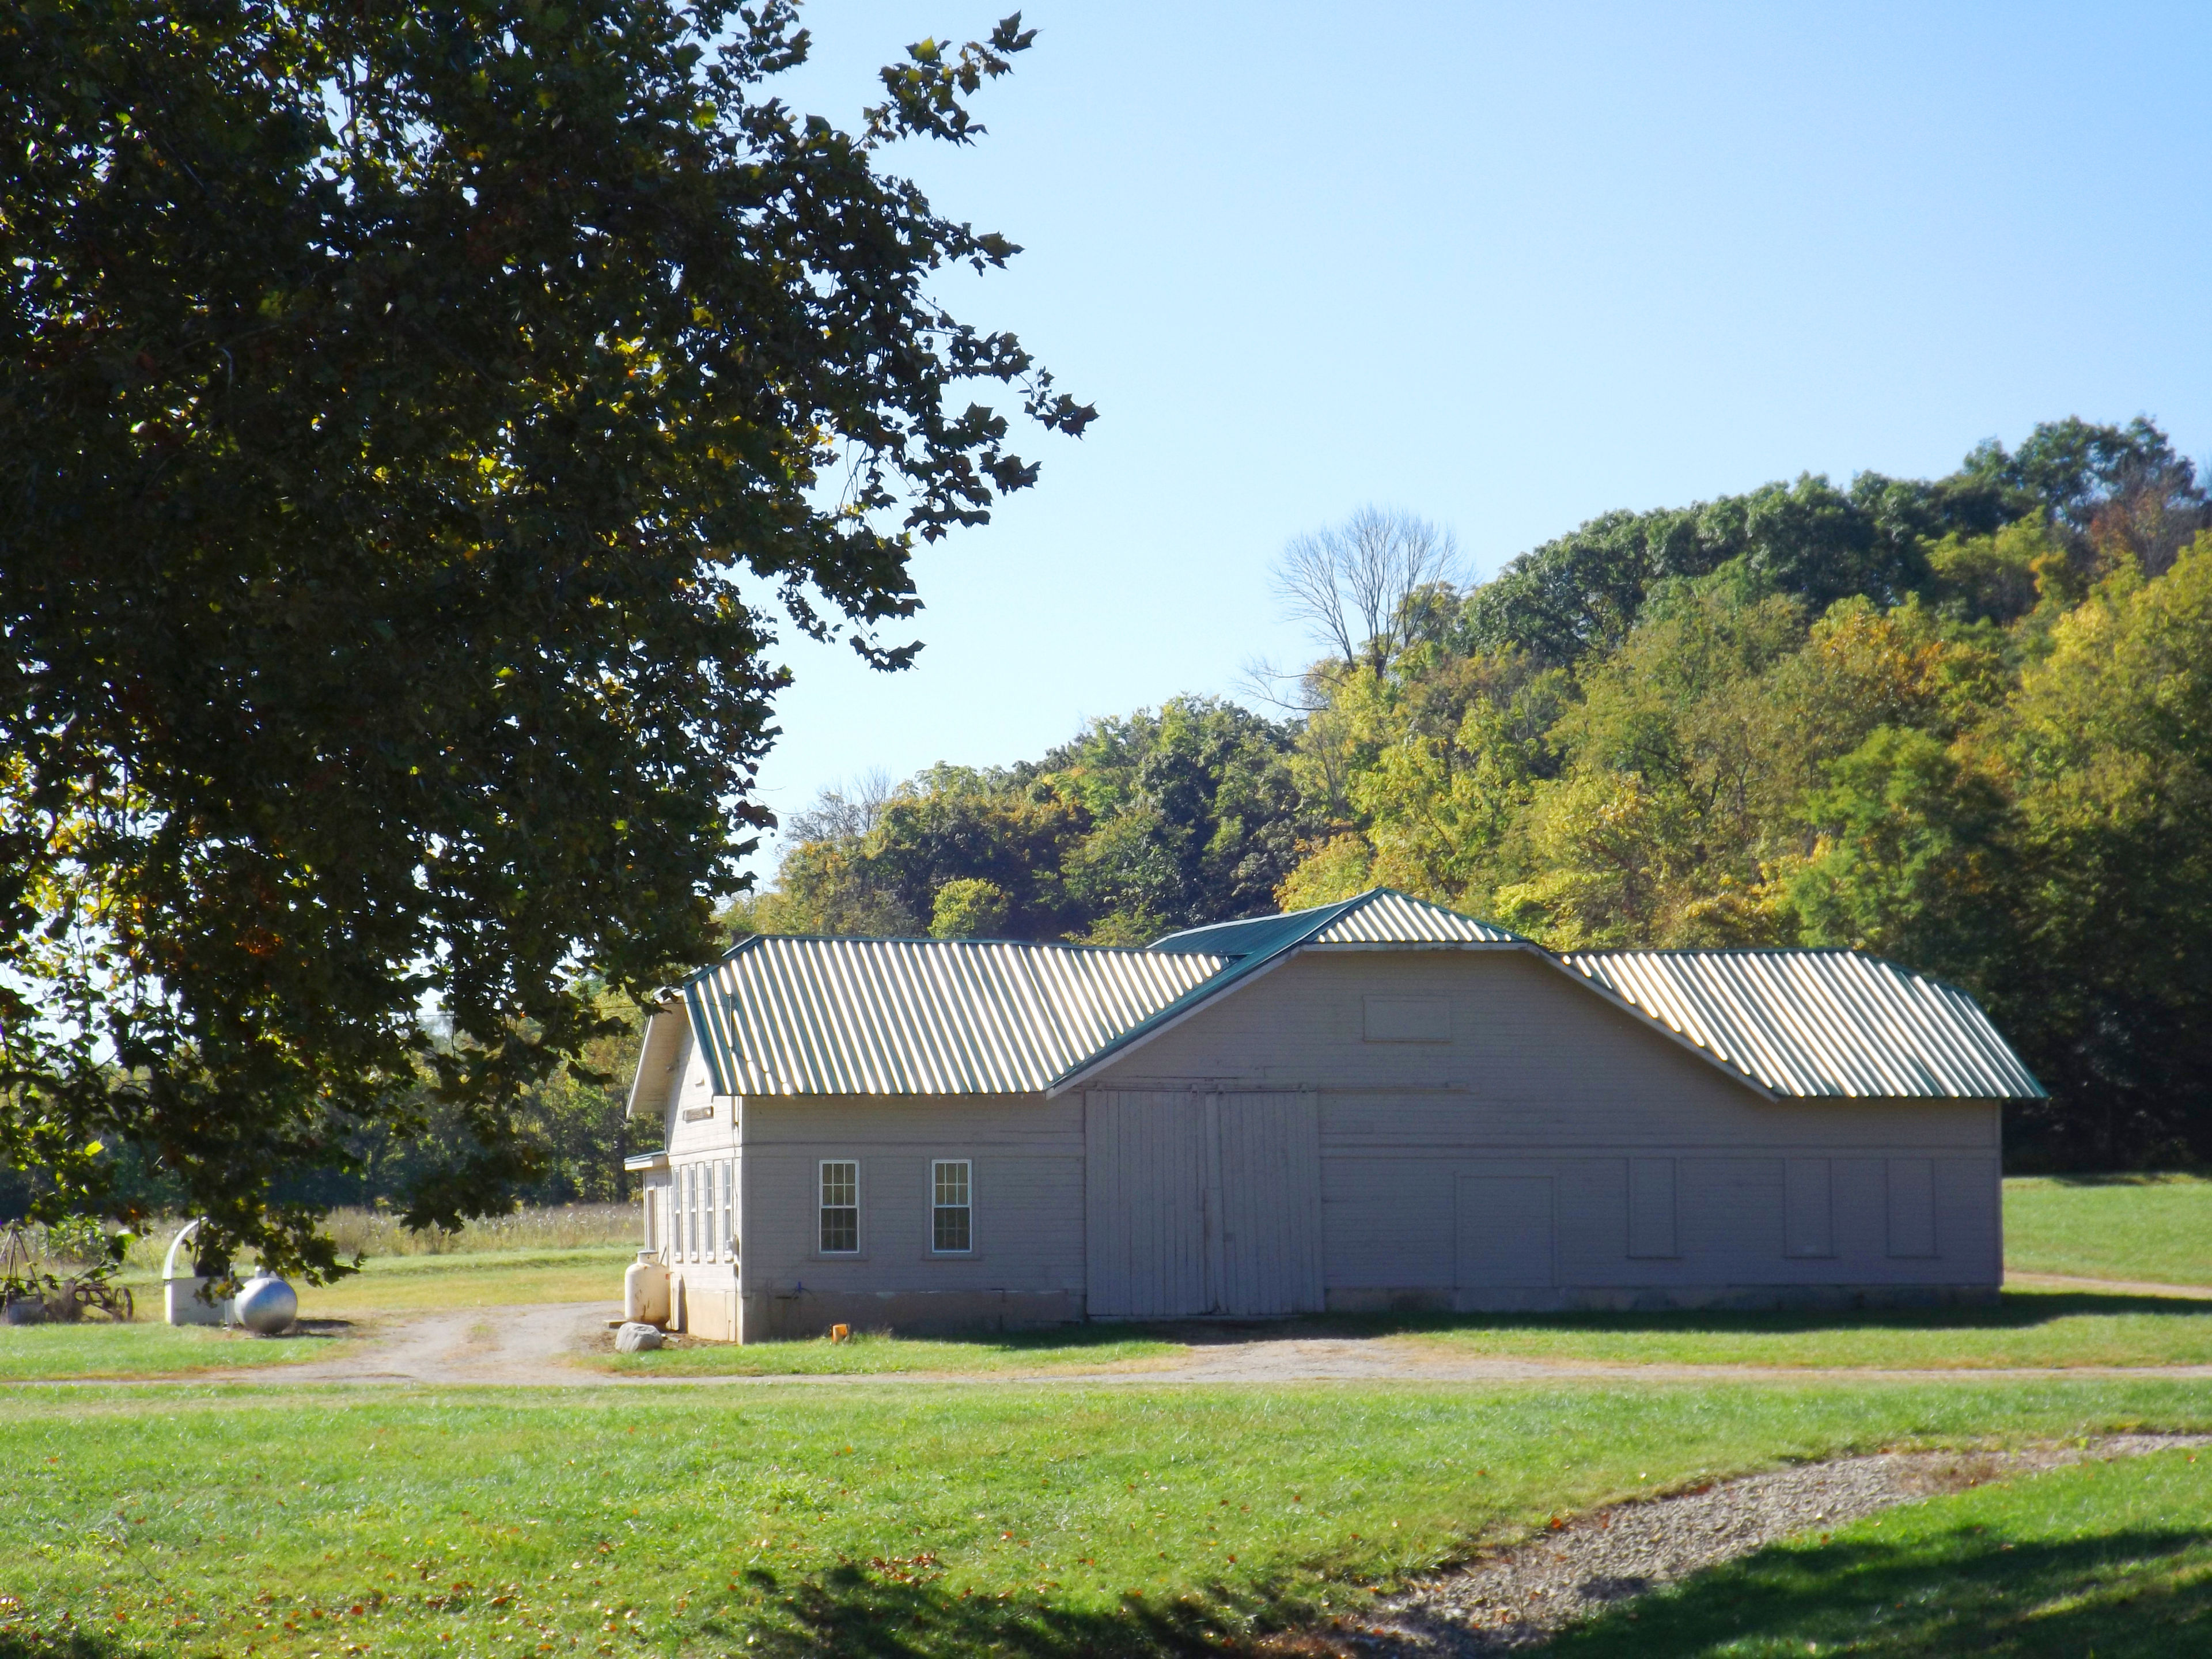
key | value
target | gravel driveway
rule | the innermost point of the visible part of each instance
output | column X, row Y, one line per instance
column 1519, row 1596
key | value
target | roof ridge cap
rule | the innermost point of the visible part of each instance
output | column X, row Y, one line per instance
column 752, row 939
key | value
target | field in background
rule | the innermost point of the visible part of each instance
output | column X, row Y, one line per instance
column 495, row 1279
column 377, row 1233
column 920, row 1521
column 2155, row 1228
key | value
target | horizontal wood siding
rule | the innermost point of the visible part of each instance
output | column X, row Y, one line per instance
column 1026, row 1155
column 1541, row 1079
column 701, row 1123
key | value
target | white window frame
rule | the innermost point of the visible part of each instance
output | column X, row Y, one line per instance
column 690, row 1213
column 822, row 1207
column 965, row 1208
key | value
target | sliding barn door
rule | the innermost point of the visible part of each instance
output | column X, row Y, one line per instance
column 1146, row 1160
column 1270, row 1210
column 1202, row 1204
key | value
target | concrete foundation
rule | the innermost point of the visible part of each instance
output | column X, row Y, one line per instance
column 772, row 1316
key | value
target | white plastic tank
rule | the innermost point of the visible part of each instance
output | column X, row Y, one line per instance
column 645, row 1291
column 181, row 1301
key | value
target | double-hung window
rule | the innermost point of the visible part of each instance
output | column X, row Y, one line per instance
column 840, row 1207
column 951, row 1206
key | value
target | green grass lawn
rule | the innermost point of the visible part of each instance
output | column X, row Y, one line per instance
column 429, row 1284
column 1081, row 1347
column 2154, row 1228
column 1043, row 1522
column 407, row 1284
column 2110, row 1559
column 387, row 1285
column 2026, row 1327
column 97, row 1348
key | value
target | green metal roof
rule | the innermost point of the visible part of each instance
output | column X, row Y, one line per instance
column 787, row 1016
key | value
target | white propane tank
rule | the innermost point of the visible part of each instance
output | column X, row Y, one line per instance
column 645, row 1291
column 267, row 1304
column 181, row 1299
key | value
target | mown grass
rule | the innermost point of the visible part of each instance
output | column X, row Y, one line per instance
column 494, row 1278
column 869, row 1353
column 2154, row 1228
column 390, row 1285
column 378, row 1233
column 916, row 1522
column 428, row 1284
column 2109, row 1559
column 97, row 1348
column 2025, row 1329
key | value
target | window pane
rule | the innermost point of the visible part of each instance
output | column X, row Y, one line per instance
column 951, row 1183
column 952, row 1231
column 949, row 1214
column 841, row 1211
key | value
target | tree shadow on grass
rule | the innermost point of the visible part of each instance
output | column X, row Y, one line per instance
column 2012, row 1310
column 853, row 1610
column 2142, row 1594
column 65, row 1645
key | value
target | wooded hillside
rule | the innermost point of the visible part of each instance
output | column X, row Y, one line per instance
column 1963, row 723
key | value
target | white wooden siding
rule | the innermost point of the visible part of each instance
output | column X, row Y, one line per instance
column 1202, row 1204
column 1652, row 1215
column 1911, row 1207
column 1027, row 1158
column 1507, row 1235
column 1538, row 1081
column 1147, row 1167
column 1271, row 1251
column 1809, row 1208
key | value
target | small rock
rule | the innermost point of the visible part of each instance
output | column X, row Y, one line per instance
column 635, row 1338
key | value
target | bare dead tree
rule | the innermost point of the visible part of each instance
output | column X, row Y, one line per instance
column 841, row 811
column 1360, row 587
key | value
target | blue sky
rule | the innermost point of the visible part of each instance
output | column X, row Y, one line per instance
column 1508, row 268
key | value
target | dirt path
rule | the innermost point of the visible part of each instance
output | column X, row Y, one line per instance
column 1520, row 1597
column 531, row 1344
column 538, row 1346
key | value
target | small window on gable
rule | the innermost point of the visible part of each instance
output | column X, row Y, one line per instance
column 841, row 1207
column 952, row 1211
column 1409, row 1019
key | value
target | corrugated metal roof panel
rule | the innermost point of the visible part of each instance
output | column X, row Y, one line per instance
column 1820, row 1022
column 1260, row 936
column 1381, row 915
column 878, row 1016
column 1387, row 917
column 844, row 1016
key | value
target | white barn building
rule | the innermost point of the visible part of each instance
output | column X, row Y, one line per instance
column 1375, row 1104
